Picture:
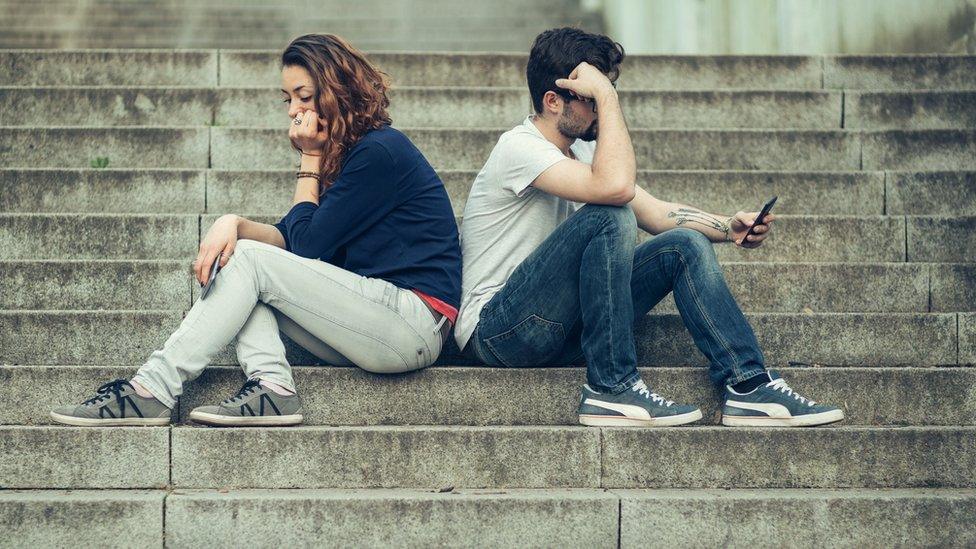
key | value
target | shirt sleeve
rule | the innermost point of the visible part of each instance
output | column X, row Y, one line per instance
column 523, row 158
column 283, row 229
column 364, row 193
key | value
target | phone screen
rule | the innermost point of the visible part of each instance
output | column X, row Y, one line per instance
column 762, row 213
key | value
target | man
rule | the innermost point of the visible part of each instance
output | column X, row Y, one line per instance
column 552, row 272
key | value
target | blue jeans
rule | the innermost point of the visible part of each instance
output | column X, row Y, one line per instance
column 579, row 294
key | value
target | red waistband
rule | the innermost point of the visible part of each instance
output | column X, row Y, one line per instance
column 438, row 305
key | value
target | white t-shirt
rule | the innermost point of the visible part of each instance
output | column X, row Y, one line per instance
column 505, row 218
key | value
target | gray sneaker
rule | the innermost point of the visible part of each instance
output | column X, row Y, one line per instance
column 115, row 404
column 253, row 405
column 635, row 407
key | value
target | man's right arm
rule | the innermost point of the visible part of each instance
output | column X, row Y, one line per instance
column 262, row 232
column 611, row 178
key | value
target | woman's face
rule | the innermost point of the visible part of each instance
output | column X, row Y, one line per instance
column 299, row 90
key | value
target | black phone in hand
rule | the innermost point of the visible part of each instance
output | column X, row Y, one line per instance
column 213, row 277
column 762, row 213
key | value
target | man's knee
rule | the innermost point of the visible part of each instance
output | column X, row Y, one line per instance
column 622, row 218
column 691, row 242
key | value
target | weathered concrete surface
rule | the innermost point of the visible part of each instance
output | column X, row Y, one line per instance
column 967, row 338
column 259, row 68
column 953, row 287
column 837, row 457
column 930, row 193
column 919, row 150
column 384, row 518
column 99, row 236
column 83, row 190
column 77, row 147
column 102, row 518
column 387, row 457
column 108, row 68
column 111, row 107
column 85, row 284
column 909, row 110
column 797, row 518
column 861, row 339
column 942, row 239
column 900, row 72
column 84, row 457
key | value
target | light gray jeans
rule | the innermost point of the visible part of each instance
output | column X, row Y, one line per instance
column 339, row 316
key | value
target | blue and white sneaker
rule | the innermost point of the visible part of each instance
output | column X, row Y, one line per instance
column 775, row 404
column 635, row 407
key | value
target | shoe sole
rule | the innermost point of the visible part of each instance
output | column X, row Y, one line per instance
column 592, row 420
column 806, row 420
column 111, row 422
column 245, row 421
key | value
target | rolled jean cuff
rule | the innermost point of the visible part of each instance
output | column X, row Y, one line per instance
column 744, row 375
column 623, row 386
column 158, row 392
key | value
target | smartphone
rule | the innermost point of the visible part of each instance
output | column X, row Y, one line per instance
column 213, row 278
column 762, row 213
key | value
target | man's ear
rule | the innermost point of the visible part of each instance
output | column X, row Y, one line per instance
column 552, row 103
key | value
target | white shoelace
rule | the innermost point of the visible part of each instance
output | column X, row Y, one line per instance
column 780, row 385
column 641, row 388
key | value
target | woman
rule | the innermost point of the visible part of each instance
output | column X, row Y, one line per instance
column 364, row 270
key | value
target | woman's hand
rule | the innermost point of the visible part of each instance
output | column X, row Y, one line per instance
column 307, row 136
column 739, row 226
column 220, row 241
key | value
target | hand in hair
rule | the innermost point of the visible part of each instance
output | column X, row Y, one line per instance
column 308, row 136
column 586, row 81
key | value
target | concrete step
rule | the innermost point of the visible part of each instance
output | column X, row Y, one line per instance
column 466, row 149
column 95, row 284
column 110, row 190
column 87, row 190
column 563, row 517
column 94, row 236
column 411, row 106
column 909, row 110
column 451, row 395
column 900, row 72
column 868, row 239
column 260, row 68
column 785, row 287
column 841, row 339
column 488, row 457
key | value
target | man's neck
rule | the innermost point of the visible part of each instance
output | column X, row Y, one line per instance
column 548, row 130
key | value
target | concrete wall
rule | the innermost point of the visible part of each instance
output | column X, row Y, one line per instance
column 791, row 26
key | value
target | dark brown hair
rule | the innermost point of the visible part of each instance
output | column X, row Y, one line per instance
column 350, row 94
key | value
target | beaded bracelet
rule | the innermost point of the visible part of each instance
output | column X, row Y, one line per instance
column 309, row 174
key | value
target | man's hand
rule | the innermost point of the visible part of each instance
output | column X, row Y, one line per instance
column 739, row 226
column 586, row 81
column 219, row 243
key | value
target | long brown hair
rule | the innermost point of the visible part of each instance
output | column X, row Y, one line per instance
column 350, row 95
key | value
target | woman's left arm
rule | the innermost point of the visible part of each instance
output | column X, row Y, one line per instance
column 307, row 188
column 364, row 192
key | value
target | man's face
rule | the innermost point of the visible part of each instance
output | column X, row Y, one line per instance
column 578, row 121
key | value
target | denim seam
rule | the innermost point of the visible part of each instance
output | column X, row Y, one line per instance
column 708, row 319
column 697, row 300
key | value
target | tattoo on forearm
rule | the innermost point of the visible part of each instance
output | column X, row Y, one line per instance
column 682, row 216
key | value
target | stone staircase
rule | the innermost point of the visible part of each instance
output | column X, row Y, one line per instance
column 865, row 296
column 406, row 25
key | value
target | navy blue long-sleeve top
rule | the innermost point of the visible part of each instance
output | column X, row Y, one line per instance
column 387, row 215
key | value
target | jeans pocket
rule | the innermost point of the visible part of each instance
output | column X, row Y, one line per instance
column 531, row 342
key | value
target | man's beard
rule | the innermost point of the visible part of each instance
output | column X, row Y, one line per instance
column 568, row 129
